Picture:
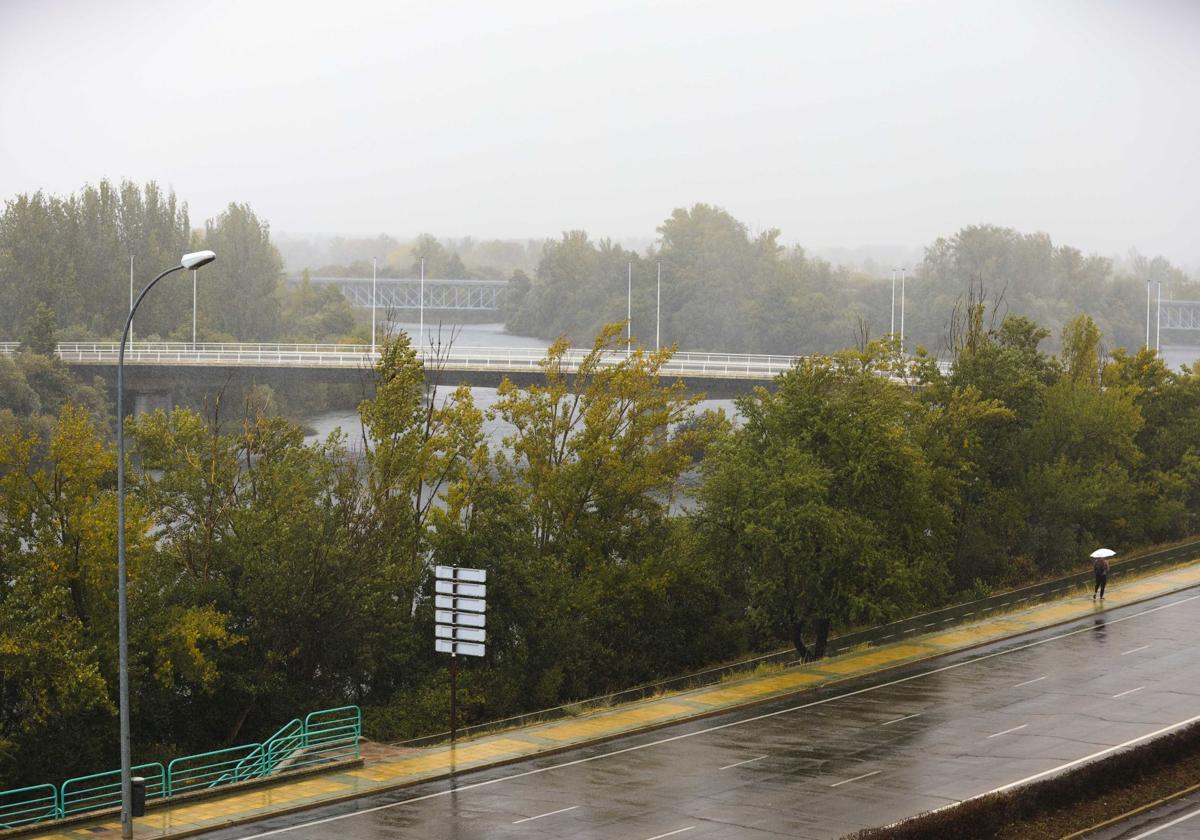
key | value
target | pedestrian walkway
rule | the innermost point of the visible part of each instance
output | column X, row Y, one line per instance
column 418, row 765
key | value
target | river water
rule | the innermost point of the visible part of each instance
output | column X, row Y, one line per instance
column 463, row 335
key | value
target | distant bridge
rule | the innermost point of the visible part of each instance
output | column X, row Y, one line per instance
column 1181, row 314
column 440, row 293
column 162, row 366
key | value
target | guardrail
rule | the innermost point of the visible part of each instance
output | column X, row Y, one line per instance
column 27, row 805
column 322, row 737
column 871, row 637
column 7, row 348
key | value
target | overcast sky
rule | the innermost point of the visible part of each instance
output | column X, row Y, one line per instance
column 843, row 123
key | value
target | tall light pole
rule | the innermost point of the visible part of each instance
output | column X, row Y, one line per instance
column 892, row 331
column 193, row 309
column 903, row 273
column 1147, row 345
column 1158, row 320
column 131, row 296
column 629, row 311
column 373, row 307
column 190, row 261
column 421, row 305
column 658, row 310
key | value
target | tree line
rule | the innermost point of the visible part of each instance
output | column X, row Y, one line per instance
column 269, row 576
column 726, row 290
column 66, row 261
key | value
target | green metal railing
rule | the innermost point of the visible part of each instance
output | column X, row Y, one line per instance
column 103, row 790
column 320, row 738
column 26, row 805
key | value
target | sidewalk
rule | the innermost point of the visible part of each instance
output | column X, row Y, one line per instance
column 418, row 765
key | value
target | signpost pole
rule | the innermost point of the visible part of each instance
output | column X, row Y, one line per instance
column 453, row 696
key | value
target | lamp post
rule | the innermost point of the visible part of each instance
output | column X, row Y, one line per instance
column 629, row 311
column 892, row 331
column 1147, row 314
column 658, row 310
column 193, row 310
column 421, row 306
column 190, row 261
column 1158, row 320
column 903, row 274
column 372, row 307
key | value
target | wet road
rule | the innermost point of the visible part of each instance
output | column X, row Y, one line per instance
column 829, row 762
column 1176, row 820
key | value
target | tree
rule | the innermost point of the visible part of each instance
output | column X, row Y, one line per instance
column 825, row 500
column 240, row 292
column 40, row 334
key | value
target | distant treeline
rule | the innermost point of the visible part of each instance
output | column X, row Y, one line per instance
column 727, row 291
column 722, row 289
column 270, row 577
column 69, row 259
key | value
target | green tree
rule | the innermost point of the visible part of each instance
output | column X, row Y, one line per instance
column 825, row 501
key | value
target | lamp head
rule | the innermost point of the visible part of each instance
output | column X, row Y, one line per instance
column 196, row 259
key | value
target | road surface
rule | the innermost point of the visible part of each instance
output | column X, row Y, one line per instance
column 829, row 762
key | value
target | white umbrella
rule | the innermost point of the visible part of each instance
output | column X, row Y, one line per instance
column 1103, row 552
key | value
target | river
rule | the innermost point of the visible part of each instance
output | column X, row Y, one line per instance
column 464, row 335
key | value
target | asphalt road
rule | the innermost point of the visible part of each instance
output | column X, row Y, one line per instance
column 825, row 763
column 1178, row 819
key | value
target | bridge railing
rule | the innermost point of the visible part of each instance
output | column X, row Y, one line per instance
column 500, row 359
column 335, row 355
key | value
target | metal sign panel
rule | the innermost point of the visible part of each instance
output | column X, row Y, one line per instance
column 468, row 590
column 459, row 573
column 461, row 648
column 449, row 602
column 460, row 619
column 459, row 634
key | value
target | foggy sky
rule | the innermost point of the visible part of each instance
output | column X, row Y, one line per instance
column 841, row 123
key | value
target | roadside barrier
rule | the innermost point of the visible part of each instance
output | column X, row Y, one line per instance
column 322, row 737
column 872, row 636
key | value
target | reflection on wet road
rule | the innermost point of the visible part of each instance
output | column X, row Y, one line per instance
column 829, row 762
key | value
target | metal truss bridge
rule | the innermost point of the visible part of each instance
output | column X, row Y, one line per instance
column 405, row 294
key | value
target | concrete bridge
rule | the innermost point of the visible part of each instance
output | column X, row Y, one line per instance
column 440, row 293
column 157, row 367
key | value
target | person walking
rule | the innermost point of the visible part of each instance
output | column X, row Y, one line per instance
column 1100, row 567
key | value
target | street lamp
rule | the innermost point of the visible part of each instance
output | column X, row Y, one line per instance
column 191, row 262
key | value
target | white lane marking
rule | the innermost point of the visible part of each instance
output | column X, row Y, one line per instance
column 856, row 778
column 1006, row 731
column 764, row 716
column 547, row 814
column 740, row 763
column 897, row 720
column 1130, row 691
column 1135, row 650
column 1031, row 682
column 671, row 833
column 1164, row 826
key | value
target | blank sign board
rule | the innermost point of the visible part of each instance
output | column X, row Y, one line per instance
column 459, row 573
column 458, row 634
column 448, row 602
column 460, row 619
column 460, row 648
column 468, row 590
